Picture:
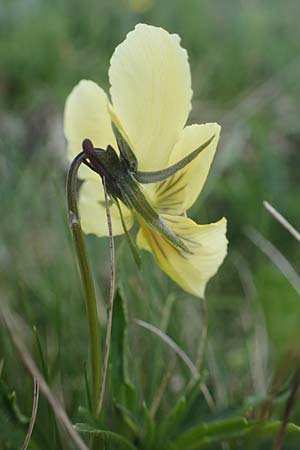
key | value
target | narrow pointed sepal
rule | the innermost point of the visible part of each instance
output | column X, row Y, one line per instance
column 125, row 149
column 136, row 201
column 132, row 245
column 161, row 175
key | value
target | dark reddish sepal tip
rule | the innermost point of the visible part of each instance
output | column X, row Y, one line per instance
column 87, row 146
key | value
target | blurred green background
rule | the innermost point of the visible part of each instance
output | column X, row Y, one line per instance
column 245, row 64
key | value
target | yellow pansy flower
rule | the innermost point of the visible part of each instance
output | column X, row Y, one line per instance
column 150, row 103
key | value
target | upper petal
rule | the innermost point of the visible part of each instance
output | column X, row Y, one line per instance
column 93, row 212
column 86, row 116
column 178, row 193
column 151, row 92
column 191, row 271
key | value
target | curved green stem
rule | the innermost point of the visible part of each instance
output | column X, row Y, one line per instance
column 86, row 274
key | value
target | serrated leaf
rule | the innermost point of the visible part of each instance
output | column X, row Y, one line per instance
column 108, row 439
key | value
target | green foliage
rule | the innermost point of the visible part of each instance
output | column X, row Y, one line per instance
column 12, row 421
column 245, row 69
column 170, row 425
column 107, row 439
column 123, row 392
column 203, row 435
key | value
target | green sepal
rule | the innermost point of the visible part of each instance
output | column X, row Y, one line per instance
column 134, row 198
column 122, row 184
column 161, row 175
column 125, row 149
column 132, row 245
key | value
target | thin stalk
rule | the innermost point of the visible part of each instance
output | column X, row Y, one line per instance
column 287, row 412
column 14, row 326
column 86, row 275
column 160, row 392
column 110, row 304
column 182, row 355
column 33, row 414
column 203, row 335
column 282, row 220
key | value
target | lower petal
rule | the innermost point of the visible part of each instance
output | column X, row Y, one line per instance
column 208, row 244
column 93, row 212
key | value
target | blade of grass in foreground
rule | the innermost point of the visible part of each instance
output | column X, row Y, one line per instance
column 13, row 326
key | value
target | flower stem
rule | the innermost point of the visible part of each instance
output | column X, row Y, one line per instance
column 203, row 336
column 110, row 305
column 86, row 274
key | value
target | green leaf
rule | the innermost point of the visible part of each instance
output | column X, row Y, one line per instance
column 108, row 439
column 149, row 428
column 178, row 413
column 44, row 366
column 123, row 391
column 201, row 433
column 46, row 372
column 87, row 388
column 171, row 421
column 85, row 415
column 11, row 433
column 13, row 423
column 9, row 399
column 206, row 434
column 128, row 418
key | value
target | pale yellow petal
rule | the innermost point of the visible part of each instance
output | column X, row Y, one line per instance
column 191, row 271
column 151, row 92
column 178, row 193
column 86, row 116
column 93, row 213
